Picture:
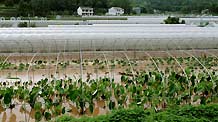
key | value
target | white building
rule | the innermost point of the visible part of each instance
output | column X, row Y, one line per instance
column 85, row 11
column 115, row 11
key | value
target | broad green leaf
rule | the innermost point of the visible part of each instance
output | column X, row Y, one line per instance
column 38, row 116
column 111, row 105
column 47, row 116
column 7, row 98
column 91, row 107
column 63, row 110
column 37, row 106
column 188, row 71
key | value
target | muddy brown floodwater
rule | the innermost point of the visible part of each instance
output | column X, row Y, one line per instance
column 51, row 70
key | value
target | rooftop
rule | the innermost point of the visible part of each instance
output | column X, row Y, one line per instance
column 86, row 8
column 117, row 8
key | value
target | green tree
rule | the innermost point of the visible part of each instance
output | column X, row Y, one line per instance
column 9, row 3
column 40, row 7
column 24, row 8
column 125, row 4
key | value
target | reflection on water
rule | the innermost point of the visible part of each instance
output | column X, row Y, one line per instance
column 4, row 118
column 96, row 111
column 13, row 118
column 19, row 114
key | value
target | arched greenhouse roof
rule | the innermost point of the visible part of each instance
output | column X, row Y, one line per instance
column 107, row 37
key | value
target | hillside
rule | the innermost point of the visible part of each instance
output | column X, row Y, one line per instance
column 68, row 7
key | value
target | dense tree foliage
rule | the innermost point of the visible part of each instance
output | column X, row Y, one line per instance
column 185, row 6
column 68, row 7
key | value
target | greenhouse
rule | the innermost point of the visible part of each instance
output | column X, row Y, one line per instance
column 91, row 70
column 107, row 37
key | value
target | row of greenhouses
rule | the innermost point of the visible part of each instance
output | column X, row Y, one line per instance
column 91, row 70
column 107, row 37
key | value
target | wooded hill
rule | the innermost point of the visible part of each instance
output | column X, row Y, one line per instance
column 68, row 7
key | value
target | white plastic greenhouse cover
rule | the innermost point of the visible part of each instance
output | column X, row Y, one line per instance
column 107, row 37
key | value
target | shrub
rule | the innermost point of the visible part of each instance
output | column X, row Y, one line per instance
column 207, row 112
column 25, row 24
column 173, row 20
column 171, row 117
column 22, row 24
column 202, row 113
column 203, row 24
column 129, row 115
column 65, row 118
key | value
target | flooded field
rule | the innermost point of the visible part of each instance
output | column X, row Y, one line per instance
column 29, row 68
